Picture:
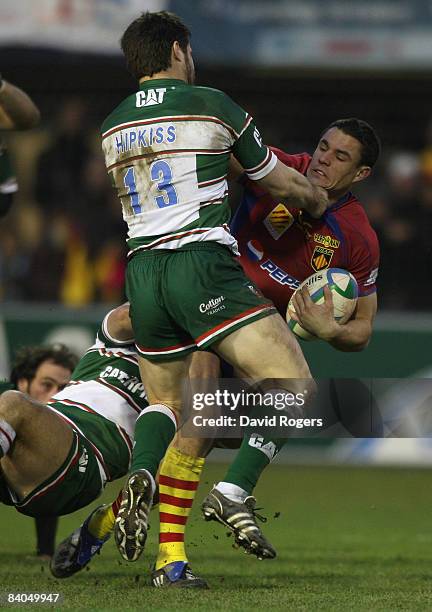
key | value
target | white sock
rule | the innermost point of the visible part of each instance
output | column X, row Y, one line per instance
column 7, row 436
column 232, row 491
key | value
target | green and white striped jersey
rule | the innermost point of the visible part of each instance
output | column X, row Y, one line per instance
column 167, row 148
column 107, row 381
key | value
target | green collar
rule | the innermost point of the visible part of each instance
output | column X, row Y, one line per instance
column 161, row 83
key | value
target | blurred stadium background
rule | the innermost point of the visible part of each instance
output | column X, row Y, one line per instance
column 295, row 66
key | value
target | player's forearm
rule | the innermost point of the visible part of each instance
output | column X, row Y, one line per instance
column 289, row 186
column 351, row 337
column 18, row 111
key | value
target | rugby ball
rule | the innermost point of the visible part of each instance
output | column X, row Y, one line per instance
column 344, row 289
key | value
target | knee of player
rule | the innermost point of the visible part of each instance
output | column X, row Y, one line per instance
column 303, row 385
column 304, row 392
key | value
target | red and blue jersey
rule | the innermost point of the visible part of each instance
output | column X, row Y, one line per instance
column 280, row 246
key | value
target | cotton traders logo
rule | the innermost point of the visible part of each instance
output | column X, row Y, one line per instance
column 212, row 306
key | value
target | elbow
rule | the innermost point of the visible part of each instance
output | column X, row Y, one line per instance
column 356, row 346
column 359, row 346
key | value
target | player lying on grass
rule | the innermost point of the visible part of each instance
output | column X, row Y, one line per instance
column 42, row 371
column 280, row 247
column 56, row 457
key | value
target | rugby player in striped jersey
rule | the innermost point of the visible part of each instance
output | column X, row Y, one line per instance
column 167, row 148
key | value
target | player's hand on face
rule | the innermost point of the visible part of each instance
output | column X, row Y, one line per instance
column 321, row 202
column 318, row 319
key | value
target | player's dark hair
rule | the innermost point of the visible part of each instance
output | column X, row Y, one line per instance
column 147, row 42
column 29, row 358
column 365, row 134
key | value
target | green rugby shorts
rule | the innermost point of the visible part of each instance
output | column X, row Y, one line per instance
column 100, row 452
column 187, row 299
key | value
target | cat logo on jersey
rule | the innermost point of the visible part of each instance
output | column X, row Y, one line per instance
column 278, row 221
column 321, row 258
column 150, row 97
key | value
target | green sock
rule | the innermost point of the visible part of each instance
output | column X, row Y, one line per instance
column 254, row 455
column 154, row 430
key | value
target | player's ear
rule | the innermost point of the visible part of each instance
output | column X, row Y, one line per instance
column 23, row 385
column 362, row 173
column 177, row 52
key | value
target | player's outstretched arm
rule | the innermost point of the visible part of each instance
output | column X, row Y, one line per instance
column 17, row 110
column 289, row 186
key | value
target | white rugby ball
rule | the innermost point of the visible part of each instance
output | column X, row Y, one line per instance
column 344, row 289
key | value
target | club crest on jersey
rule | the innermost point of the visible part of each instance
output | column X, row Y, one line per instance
column 321, row 258
column 278, row 221
column 327, row 241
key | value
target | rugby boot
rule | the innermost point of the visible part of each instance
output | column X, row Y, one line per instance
column 76, row 551
column 177, row 574
column 130, row 529
column 240, row 518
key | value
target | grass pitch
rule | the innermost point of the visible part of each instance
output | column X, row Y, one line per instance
column 347, row 538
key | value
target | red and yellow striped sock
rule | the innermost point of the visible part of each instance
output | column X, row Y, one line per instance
column 178, row 481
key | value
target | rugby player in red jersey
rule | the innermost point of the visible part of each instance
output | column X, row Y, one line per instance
column 280, row 246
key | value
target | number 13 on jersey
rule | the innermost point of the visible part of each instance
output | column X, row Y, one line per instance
column 161, row 175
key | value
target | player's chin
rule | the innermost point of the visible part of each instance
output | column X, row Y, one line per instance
column 319, row 181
